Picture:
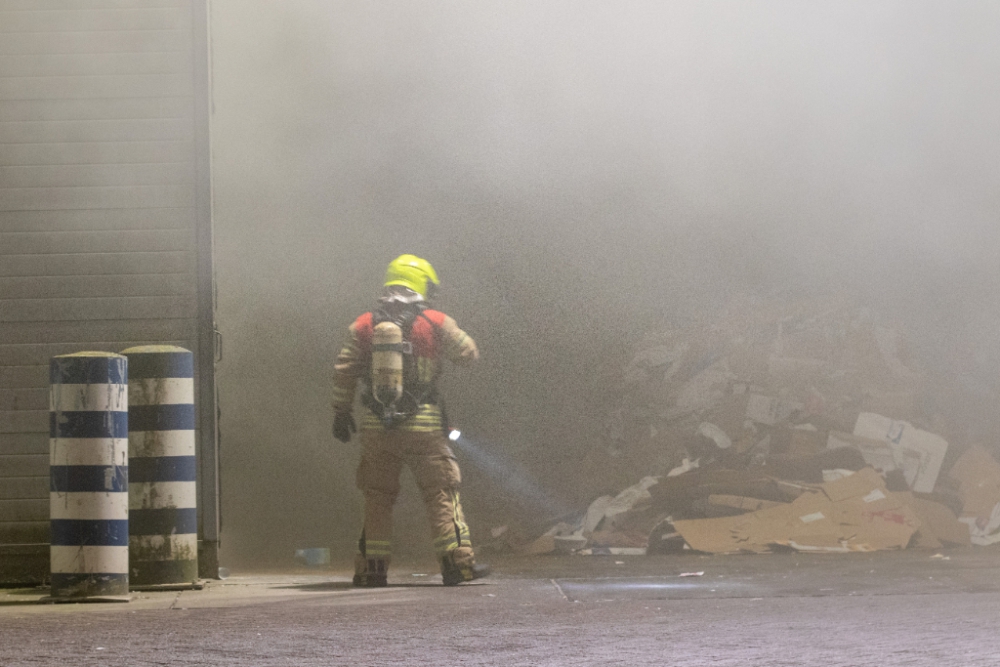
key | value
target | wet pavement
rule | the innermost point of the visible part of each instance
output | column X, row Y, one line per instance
column 904, row 608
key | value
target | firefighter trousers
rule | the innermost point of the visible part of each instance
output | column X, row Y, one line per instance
column 432, row 462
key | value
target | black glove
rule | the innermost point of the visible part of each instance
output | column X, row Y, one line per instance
column 344, row 426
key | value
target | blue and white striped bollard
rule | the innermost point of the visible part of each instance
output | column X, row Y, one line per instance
column 88, row 454
column 163, row 531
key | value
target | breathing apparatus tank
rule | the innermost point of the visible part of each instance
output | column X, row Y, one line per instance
column 387, row 366
column 396, row 392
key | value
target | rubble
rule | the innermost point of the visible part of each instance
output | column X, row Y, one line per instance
column 798, row 427
column 728, row 511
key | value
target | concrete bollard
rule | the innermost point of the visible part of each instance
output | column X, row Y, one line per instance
column 163, row 530
column 88, row 456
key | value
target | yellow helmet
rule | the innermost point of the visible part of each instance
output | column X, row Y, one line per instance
column 413, row 273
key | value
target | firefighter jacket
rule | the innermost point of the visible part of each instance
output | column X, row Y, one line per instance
column 434, row 337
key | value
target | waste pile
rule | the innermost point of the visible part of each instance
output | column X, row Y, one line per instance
column 797, row 427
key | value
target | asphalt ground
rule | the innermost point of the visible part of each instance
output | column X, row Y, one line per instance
column 885, row 609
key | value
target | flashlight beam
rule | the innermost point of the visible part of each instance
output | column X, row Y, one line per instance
column 509, row 475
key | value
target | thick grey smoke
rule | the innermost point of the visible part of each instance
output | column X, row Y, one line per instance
column 579, row 173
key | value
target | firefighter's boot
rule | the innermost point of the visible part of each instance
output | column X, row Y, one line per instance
column 460, row 566
column 370, row 572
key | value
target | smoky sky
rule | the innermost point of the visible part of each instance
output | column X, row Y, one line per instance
column 579, row 173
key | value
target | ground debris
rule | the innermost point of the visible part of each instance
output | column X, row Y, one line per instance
column 742, row 435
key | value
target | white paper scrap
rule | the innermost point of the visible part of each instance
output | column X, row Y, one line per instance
column 876, row 494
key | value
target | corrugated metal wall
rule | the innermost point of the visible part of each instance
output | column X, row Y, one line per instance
column 101, row 151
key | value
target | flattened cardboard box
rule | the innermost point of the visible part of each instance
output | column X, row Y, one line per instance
column 938, row 525
column 718, row 536
column 855, row 513
column 978, row 476
column 756, row 531
column 874, row 523
column 858, row 485
column 805, row 523
column 870, row 517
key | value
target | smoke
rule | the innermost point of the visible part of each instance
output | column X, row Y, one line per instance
column 579, row 173
column 511, row 479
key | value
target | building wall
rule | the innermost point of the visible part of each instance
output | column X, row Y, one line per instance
column 105, row 238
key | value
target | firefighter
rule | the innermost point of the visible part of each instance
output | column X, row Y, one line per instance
column 396, row 351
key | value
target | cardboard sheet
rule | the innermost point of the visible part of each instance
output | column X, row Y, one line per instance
column 938, row 525
column 855, row 513
column 978, row 477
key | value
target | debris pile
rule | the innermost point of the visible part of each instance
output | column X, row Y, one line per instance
column 778, row 428
column 757, row 383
